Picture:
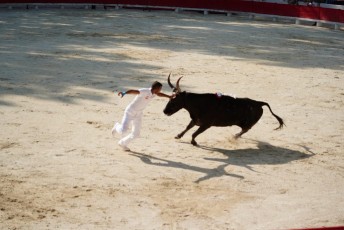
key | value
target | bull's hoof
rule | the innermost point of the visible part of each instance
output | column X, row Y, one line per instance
column 178, row 136
column 237, row 136
column 194, row 143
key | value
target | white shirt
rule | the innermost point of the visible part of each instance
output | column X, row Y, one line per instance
column 141, row 100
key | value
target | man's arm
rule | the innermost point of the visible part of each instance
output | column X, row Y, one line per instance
column 164, row 95
column 131, row 91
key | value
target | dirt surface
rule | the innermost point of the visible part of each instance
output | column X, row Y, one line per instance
column 60, row 168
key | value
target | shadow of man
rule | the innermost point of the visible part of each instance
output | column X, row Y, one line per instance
column 262, row 155
column 209, row 173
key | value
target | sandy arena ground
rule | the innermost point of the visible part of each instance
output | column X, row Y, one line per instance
column 60, row 168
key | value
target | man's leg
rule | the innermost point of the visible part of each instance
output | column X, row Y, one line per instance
column 124, row 126
column 135, row 131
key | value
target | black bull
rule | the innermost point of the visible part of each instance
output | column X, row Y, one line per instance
column 208, row 110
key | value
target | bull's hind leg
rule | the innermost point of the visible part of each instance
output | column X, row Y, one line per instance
column 256, row 114
column 200, row 130
column 190, row 125
column 238, row 135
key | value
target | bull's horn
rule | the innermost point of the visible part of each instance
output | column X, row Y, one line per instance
column 177, row 85
column 169, row 82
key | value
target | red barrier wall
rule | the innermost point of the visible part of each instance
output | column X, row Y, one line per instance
column 309, row 12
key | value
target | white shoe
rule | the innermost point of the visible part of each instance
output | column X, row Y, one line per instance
column 124, row 147
column 113, row 131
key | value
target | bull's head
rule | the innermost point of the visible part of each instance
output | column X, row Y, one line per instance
column 177, row 102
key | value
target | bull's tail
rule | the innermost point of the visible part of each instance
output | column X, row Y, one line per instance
column 280, row 120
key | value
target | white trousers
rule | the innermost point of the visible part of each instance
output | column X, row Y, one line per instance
column 130, row 118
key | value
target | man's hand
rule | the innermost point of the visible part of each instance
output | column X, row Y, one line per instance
column 122, row 94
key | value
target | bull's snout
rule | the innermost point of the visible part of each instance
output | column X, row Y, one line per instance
column 166, row 112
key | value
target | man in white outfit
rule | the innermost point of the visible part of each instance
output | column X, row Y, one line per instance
column 133, row 112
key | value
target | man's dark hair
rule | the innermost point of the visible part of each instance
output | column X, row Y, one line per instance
column 156, row 85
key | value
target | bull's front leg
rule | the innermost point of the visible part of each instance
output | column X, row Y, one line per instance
column 190, row 125
column 200, row 130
